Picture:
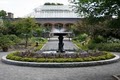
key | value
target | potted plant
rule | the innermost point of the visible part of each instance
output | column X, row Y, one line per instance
column 5, row 42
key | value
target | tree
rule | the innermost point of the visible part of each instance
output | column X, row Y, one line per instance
column 25, row 28
column 53, row 3
column 93, row 9
column 8, row 40
column 3, row 13
column 5, row 42
column 92, row 29
column 98, row 7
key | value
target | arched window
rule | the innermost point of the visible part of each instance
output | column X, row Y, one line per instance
column 48, row 26
column 68, row 26
column 58, row 26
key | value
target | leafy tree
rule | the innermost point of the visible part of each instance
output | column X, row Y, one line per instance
column 3, row 13
column 93, row 10
column 53, row 3
column 5, row 42
column 8, row 40
column 47, row 3
column 25, row 28
column 98, row 7
column 92, row 29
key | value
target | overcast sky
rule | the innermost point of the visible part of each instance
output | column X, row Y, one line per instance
column 22, row 7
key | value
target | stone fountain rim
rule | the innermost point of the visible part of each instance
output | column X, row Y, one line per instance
column 60, row 65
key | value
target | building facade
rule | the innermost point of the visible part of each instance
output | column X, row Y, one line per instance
column 55, row 16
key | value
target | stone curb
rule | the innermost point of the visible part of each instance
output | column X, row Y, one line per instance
column 66, row 64
column 116, row 77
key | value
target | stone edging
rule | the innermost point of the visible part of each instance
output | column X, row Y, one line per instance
column 66, row 64
column 116, row 77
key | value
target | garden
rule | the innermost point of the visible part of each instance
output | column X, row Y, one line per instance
column 96, row 35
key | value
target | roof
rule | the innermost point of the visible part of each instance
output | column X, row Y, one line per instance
column 53, row 11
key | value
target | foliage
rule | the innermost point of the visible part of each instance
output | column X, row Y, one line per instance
column 52, row 3
column 5, row 41
column 25, row 28
column 14, row 56
column 38, row 47
column 14, row 39
column 99, row 39
column 96, row 11
column 10, row 27
column 38, row 32
column 3, row 13
column 80, row 45
column 8, row 40
column 113, row 47
column 81, row 37
column 38, row 39
column 98, row 7
column 92, row 29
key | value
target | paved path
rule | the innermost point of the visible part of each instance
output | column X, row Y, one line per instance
column 12, row 72
column 53, row 45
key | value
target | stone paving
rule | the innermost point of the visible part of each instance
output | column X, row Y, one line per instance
column 53, row 45
column 12, row 72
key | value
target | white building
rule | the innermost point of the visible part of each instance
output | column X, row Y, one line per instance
column 55, row 16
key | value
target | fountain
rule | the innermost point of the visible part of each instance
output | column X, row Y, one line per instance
column 60, row 33
column 60, row 38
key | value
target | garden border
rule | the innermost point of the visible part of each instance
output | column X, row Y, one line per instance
column 65, row 64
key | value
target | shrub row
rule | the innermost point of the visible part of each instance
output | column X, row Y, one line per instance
column 13, row 56
column 115, row 47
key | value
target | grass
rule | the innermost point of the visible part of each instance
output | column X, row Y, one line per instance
column 83, row 47
column 40, row 45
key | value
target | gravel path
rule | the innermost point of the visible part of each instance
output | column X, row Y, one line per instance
column 104, row 72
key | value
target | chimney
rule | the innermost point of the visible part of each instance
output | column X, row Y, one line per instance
column 10, row 15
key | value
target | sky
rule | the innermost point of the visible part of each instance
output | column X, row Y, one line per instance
column 21, row 8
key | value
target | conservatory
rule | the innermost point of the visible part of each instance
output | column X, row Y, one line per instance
column 55, row 16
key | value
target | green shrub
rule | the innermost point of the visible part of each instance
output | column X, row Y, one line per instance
column 81, row 37
column 115, row 47
column 41, row 60
column 39, row 47
column 78, row 60
column 99, row 39
column 87, row 59
column 95, row 58
column 17, row 58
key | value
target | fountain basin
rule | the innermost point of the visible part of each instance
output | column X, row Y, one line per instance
column 61, row 33
column 55, row 52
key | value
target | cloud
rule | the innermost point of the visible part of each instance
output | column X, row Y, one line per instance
column 3, row 2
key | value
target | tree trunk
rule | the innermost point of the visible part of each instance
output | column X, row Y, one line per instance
column 26, row 42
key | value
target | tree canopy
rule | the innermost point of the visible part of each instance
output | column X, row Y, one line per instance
column 3, row 13
column 98, row 7
column 96, row 13
column 25, row 28
column 53, row 3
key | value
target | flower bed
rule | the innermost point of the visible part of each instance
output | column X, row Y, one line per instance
column 77, row 57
